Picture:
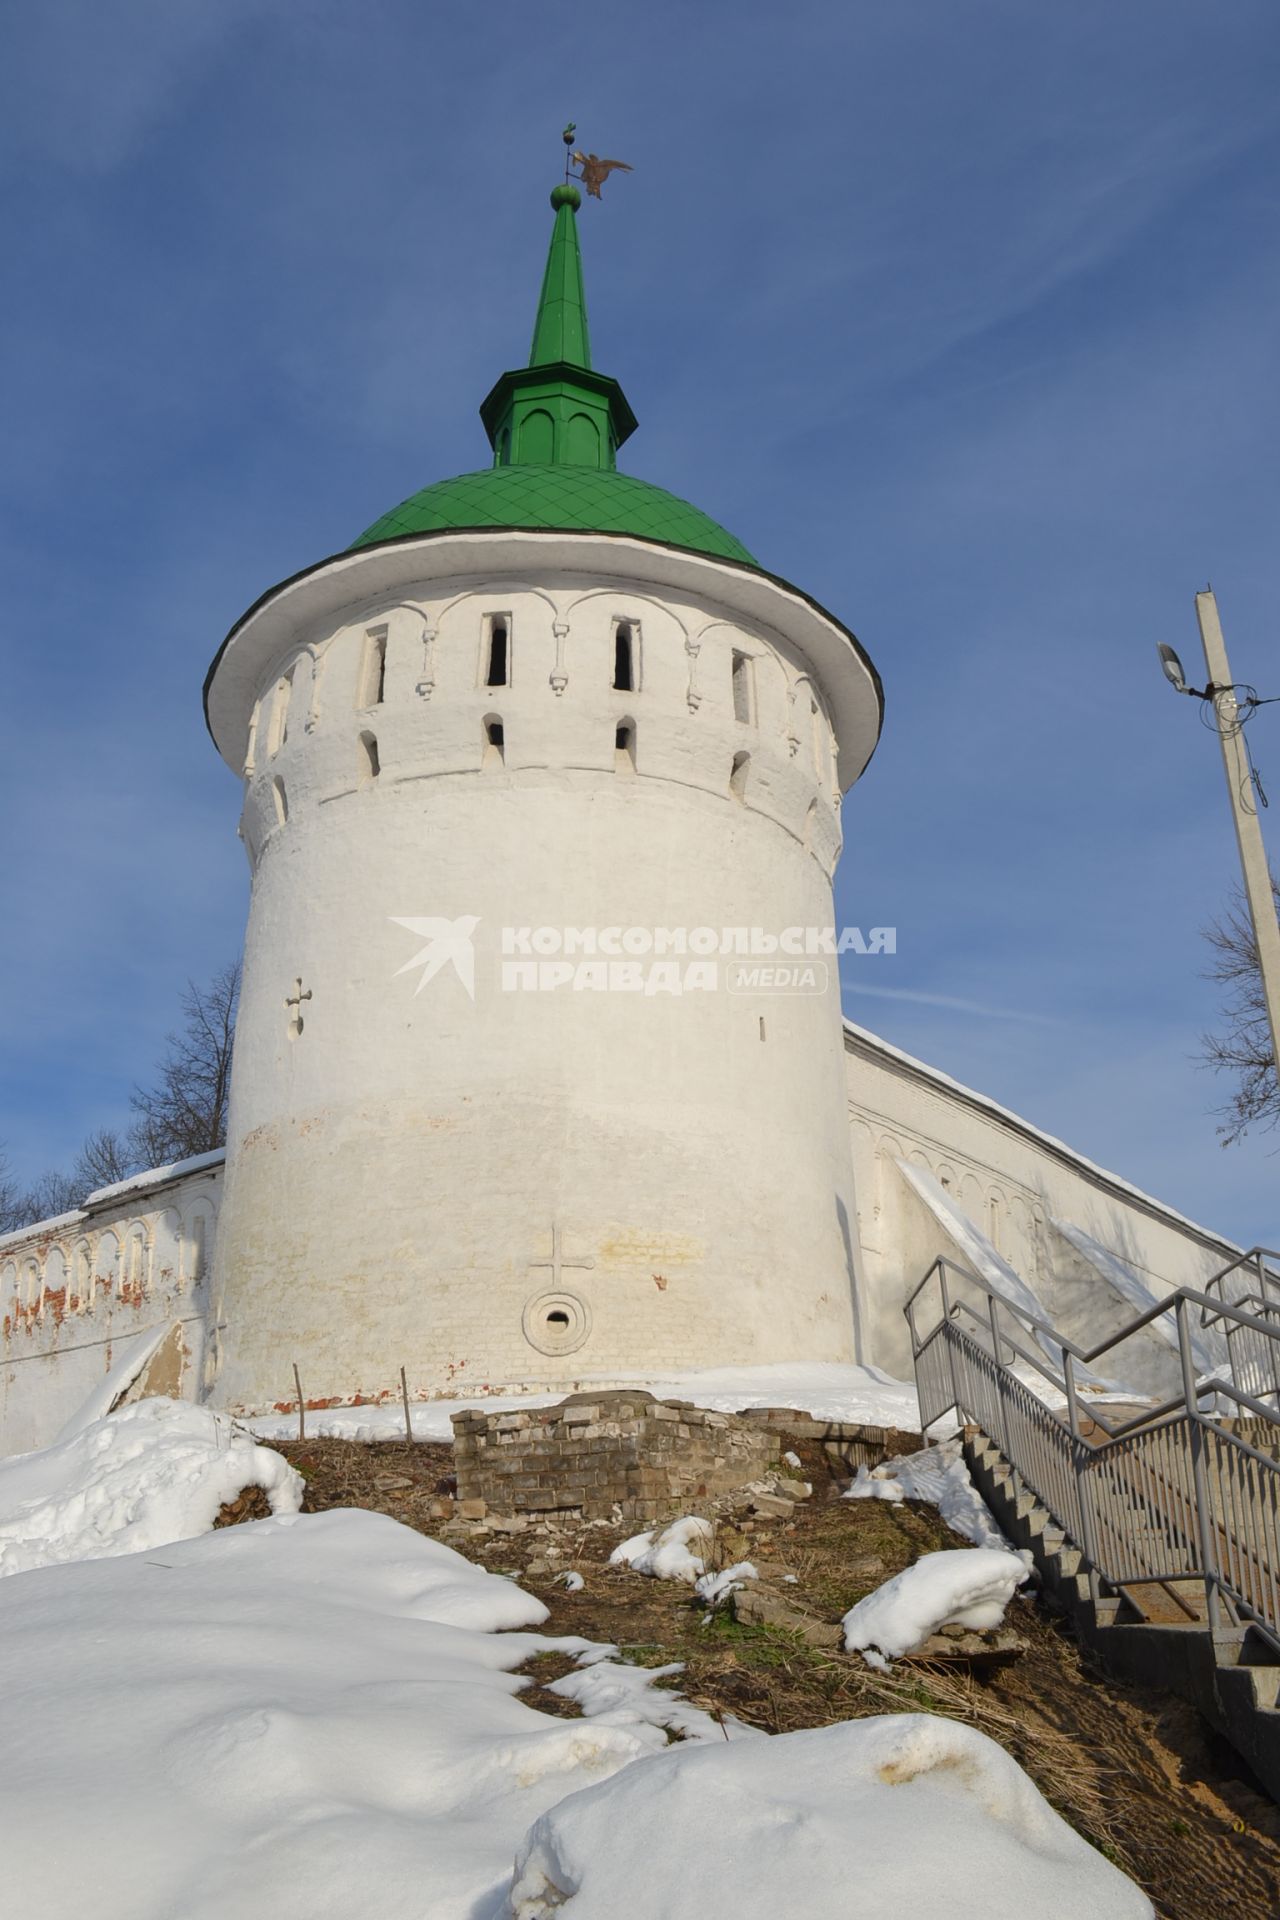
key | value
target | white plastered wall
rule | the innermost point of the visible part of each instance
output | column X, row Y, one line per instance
column 75, row 1290
column 398, row 1165
column 1013, row 1182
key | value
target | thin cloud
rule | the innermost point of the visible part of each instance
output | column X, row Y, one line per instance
column 951, row 1002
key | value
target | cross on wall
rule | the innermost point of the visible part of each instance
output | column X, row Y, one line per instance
column 559, row 1259
column 294, row 1001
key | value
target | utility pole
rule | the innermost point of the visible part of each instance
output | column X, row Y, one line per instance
column 1244, row 811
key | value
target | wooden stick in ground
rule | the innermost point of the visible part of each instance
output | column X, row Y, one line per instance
column 302, row 1415
column 404, row 1395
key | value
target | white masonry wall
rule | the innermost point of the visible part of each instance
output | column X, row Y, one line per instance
column 1013, row 1182
column 405, row 1169
column 77, row 1290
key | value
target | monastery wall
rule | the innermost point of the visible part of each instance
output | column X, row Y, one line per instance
column 1012, row 1182
column 76, row 1293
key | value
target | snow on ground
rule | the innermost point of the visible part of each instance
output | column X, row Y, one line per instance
column 903, row 1813
column 675, row 1552
column 714, row 1589
column 613, row 1694
column 153, row 1472
column 310, row 1717
column 679, row 1552
column 826, row 1389
column 964, row 1587
column 939, row 1476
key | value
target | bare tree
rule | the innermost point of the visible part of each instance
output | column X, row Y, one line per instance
column 53, row 1193
column 12, row 1201
column 105, row 1158
column 184, row 1111
column 1244, row 1049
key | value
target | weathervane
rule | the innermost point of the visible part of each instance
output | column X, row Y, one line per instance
column 594, row 171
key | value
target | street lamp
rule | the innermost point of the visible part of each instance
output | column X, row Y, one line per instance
column 1243, row 790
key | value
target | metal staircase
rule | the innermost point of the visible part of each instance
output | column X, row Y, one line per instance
column 1159, row 1528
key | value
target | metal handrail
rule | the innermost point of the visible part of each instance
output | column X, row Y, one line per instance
column 1088, row 1354
column 1206, row 1384
column 1173, row 1493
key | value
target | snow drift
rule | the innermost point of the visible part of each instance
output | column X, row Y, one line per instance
column 314, row 1716
column 903, row 1813
column 966, row 1587
column 307, row 1718
column 674, row 1552
column 153, row 1472
column 938, row 1476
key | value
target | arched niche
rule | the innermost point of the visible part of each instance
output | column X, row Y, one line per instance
column 137, row 1268
column 55, row 1277
column 106, row 1264
column 81, row 1276
column 166, row 1248
column 197, row 1241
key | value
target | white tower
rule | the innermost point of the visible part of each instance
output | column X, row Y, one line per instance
column 507, row 1105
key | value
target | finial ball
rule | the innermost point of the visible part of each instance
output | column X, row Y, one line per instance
column 565, row 195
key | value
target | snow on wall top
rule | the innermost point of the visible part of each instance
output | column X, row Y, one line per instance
column 158, row 1176
column 137, row 1183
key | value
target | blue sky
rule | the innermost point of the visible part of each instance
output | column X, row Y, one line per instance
column 962, row 316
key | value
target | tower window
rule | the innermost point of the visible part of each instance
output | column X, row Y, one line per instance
column 742, row 687
column 497, row 665
column 279, row 729
column 624, row 747
column 495, row 742
column 624, row 657
column 282, row 802
column 251, row 746
column 373, row 670
column 738, row 775
column 369, row 763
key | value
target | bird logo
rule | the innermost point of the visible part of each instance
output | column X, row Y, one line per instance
column 448, row 943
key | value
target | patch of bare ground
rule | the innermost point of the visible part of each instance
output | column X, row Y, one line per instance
column 1137, row 1772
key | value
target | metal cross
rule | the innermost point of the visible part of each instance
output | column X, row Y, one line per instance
column 559, row 1260
column 295, row 1001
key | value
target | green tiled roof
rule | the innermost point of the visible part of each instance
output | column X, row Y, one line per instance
column 555, row 427
column 564, row 498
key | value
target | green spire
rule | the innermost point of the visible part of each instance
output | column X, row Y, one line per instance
column 560, row 330
column 557, row 411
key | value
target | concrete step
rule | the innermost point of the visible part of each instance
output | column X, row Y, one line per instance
column 1252, row 1688
column 1143, row 1633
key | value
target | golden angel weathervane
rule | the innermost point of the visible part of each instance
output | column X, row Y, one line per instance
column 593, row 171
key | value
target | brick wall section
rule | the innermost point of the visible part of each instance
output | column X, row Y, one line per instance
column 851, row 1444
column 597, row 1451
